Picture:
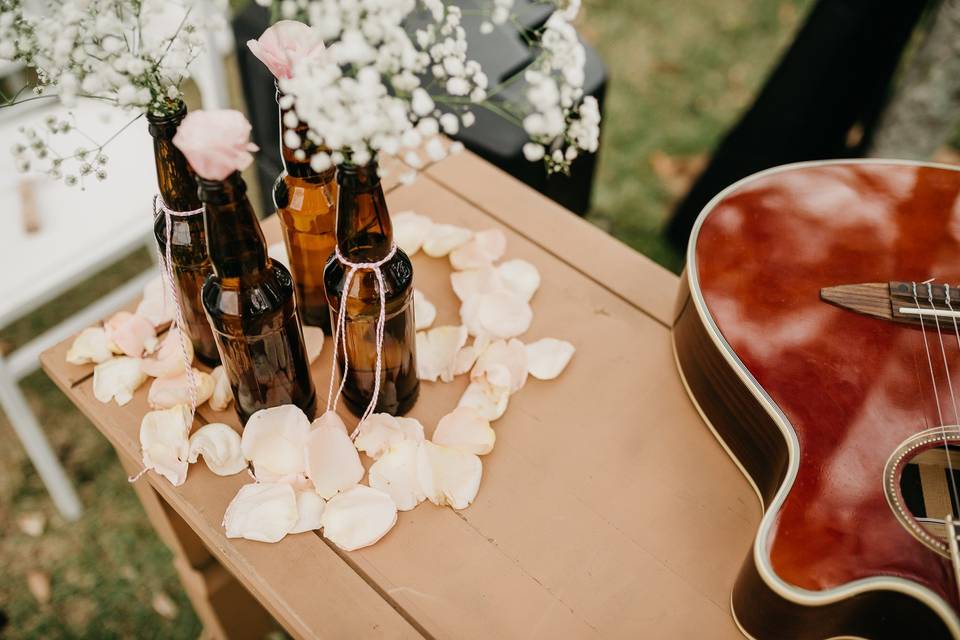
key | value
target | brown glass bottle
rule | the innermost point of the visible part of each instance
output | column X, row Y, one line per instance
column 250, row 303
column 188, row 248
column 306, row 201
column 364, row 234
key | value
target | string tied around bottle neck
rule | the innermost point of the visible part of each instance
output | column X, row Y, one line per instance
column 166, row 265
column 339, row 331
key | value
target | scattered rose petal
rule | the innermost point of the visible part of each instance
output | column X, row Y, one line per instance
column 381, row 431
column 168, row 360
column 90, row 346
column 488, row 400
column 395, row 473
column 314, row 339
column 117, row 379
column 472, row 282
column 520, row 277
column 310, row 509
column 32, row 523
column 274, row 439
column 485, row 248
column 278, row 251
column 332, row 462
column 154, row 306
column 470, row 315
column 548, row 357
column 222, row 394
column 467, row 356
column 358, row 517
column 164, row 444
column 130, row 334
column 164, row 605
column 424, row 311
column 448, row 476
column 466, row 430
column 410, row 229
column 169, row 392
column 38, row 583
column 502, row 314
column 444, row 238
column 437, row 352
column 512, row 355
column 219, row 445
column 262, row 511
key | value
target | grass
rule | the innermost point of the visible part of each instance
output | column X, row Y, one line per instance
column 679, row 75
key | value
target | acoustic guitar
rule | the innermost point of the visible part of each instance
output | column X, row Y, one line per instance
column 817, row 333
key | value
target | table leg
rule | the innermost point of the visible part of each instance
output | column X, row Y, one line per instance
column 225, row 608
column 38, row 448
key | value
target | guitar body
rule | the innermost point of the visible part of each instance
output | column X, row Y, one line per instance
column 813, row 400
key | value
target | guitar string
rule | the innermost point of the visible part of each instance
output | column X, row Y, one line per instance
column 933, row 381
column 956, row 332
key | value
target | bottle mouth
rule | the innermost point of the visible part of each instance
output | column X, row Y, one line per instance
column 166, row 124
column 219, row 191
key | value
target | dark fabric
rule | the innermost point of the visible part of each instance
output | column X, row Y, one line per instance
column 834, row 75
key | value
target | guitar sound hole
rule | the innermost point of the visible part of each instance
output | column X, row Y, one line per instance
column 921, row 482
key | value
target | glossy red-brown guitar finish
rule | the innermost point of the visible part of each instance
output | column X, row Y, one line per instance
column 851, row 387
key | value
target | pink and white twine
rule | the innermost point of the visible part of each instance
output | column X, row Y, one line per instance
column 339, row 333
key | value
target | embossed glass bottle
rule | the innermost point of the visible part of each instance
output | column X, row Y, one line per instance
column 364, row 234
column 188, row 249
column 250, row 302
column 306, row 203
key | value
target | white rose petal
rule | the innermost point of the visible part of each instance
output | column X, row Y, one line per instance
column 444, row 238
column 358, row 517
column 310, row 508
column 332, row 462
column 519, row 277
column 511, row 355
column 90, row 346
column 274, row 440
column 169, row 392
column 490, row 401
column 437, row 352
column 485, row 248
column 471, row 282
column 381, row 431
column 314, row 340
column 117, row 379
column 502, row 314
column 168, row 361
column 154, row 306
column 164, row 444
column 547, row 358
column 222, row 394
column 219, row 445
column 395, row 473
column 263, row 511
column 424, row 311
column 448, row 476
column 410, row 229
column 465, row 429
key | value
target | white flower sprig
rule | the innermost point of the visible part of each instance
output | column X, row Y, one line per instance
column 376, row 88
column 133, row 54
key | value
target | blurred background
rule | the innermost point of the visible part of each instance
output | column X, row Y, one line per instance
column 679, row 77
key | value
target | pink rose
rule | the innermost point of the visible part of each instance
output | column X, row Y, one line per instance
column 285, row 43
column 216, row 143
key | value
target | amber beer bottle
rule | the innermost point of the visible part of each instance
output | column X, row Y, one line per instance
column 188, row 250
column 306, row 203
column 251, row 306
column 364, row 234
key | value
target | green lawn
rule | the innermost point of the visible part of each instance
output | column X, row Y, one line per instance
column 679, row 74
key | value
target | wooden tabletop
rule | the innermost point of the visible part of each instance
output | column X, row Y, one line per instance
column 607, row 509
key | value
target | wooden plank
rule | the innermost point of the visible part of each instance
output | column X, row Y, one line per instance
column 609, row 263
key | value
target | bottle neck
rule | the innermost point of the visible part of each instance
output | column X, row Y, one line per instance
column 175, row 178
column 235, row 241
column 291, row 165
column 364, row 231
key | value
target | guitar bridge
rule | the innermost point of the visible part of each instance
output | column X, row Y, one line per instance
column 898, row 301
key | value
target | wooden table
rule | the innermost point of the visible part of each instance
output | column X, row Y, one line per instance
column 607, row 509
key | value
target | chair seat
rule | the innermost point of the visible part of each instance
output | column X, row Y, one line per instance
column 81, row 228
